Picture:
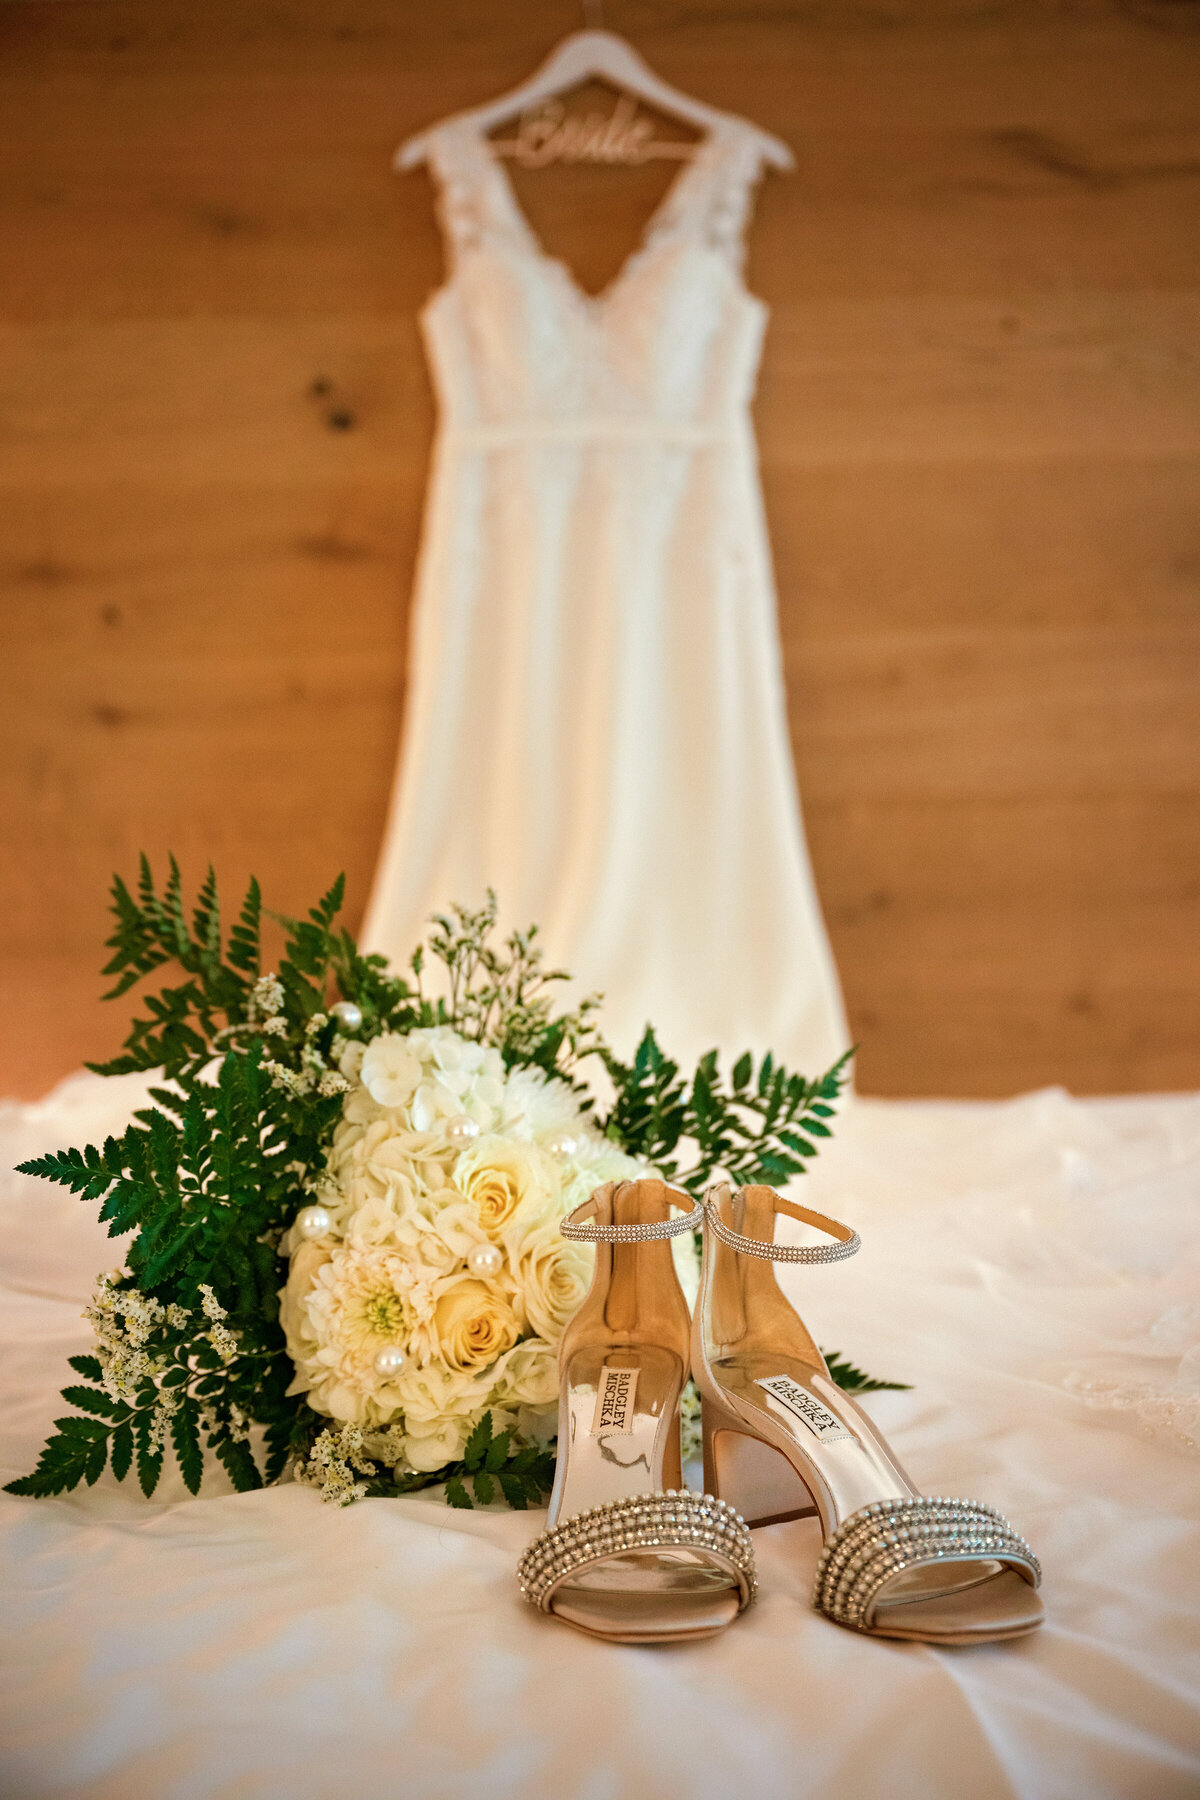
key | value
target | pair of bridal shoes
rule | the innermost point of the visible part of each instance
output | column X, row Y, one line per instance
column 631, row 1555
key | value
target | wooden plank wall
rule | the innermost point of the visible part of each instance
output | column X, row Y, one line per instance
column 980, row 439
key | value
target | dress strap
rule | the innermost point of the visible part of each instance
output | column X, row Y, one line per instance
column 475, row 202
column 713, row 200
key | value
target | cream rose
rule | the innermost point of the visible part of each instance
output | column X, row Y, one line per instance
column 552, row 1276
column 502, row 1178
column 473, row 1324
column 307, row 1259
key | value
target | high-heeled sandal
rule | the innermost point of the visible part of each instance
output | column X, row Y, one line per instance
column 781, row 1441
column 628, row 1553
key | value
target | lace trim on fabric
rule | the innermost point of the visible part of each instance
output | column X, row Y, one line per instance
column 1173, row 1416
column 724, row 212
column 712, row 198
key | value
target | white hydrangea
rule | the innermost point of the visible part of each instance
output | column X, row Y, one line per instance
column 389, row 1070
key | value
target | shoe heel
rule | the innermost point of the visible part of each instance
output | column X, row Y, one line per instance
column 748, row 1474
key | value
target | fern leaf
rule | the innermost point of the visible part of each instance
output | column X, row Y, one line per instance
column 245, row 936
column 149, row 1457
column 497, row 1452
column 513, row 1489
column 94, row 1400
column 239, row 1465
column 854, row 1381
column 185, row 1435
column 477, row 1444
column 65, row 1461
column 122, row 1450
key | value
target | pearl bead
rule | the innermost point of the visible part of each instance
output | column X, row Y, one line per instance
column 390, row 1361
column 348, row 1016
column 461, row 1131
column 562, row 1145
column 313, row 1222
column 485, row 1260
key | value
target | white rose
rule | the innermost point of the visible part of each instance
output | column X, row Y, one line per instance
column 529, row 1375
column 552, row 1276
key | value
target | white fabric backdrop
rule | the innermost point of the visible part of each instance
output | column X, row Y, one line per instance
column 1032, row 1266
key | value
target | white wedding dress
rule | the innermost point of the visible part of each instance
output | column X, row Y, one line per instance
column 596, row 724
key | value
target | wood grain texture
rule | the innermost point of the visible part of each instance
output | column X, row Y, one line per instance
column 979, row 425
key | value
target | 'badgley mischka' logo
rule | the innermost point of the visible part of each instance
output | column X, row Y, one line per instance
column 614, row 1401
column 820, row 1421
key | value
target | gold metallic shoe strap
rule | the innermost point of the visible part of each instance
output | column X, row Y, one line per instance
column 848, row 1240
column 571, row 1227
column 677, row 1520
column 882, row 1539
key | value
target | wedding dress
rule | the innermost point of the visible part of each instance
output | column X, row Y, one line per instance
column 596, row 724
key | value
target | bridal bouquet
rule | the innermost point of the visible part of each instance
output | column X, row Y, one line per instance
column 343, row 1261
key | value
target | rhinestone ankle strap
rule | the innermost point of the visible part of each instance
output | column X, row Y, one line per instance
column 878, row 1542
column 848, row 1241
column 676, row 1520
column 633, row 1234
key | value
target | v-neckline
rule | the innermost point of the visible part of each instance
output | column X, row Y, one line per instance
column 598, row 302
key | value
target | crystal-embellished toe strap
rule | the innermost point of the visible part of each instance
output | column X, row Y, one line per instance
column 672, row 1521
column 871, row 1546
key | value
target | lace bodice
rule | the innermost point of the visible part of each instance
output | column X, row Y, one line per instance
column 671, row 345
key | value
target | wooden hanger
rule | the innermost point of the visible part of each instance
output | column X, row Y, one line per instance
column 593, row 56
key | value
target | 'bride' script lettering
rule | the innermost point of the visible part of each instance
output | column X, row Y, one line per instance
column 551, row 134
